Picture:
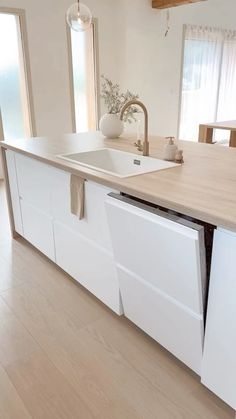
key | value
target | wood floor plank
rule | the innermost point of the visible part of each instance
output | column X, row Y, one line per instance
column 15, row 343
column 44, row 390
column 11, row 405
column 57, row 333
column 166, row 374
column 63, row 355
column 7, row 277
column 134, row 384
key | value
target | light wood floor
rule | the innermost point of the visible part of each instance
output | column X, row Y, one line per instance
column 63, row 355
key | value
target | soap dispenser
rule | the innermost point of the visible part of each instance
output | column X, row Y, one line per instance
column 170, row 149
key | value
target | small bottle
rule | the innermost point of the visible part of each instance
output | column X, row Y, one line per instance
column 170, row 149
column 179, row 158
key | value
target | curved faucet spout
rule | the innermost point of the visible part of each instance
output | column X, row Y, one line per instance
column 143, row 107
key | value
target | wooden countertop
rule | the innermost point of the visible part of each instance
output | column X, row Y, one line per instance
column 204, row 187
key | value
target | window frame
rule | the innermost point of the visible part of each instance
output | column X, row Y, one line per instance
column 96, row 71
column 181, row 78
column 21, row 14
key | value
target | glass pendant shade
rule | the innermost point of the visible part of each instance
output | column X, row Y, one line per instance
column 79, row 17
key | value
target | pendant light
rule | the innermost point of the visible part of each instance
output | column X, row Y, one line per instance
column 79, row 17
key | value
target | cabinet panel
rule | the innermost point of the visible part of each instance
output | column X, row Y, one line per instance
column 11, row 167
column 38, row 229
column 162, row 252
column 219, row 358
column 82, row 247
column 36, row 181
column 89, row 264
column 94, row 225
column 175, row 328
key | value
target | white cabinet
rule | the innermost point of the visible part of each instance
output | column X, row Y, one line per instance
column 83, row 247
column 166, row 321
column 41, row 201
column 89, row 263
column 15, row 199
column 38, row 229
column 35, row 183
column 161, row 269
column 219, row 359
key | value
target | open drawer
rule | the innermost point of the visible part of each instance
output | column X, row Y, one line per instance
column 160, row 260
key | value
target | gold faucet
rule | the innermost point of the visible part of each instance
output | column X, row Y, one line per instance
column 145, row 146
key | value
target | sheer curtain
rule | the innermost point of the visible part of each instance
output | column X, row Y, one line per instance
column 209, row 79
column 227, row 92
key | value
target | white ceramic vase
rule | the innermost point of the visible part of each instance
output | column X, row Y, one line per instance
column 111, row 126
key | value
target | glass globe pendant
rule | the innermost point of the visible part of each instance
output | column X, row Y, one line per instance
column 79, row 17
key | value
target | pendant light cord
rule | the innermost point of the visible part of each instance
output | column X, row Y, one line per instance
column 167, row 23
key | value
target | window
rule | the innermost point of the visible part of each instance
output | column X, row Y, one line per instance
column 84, row 79
column 209, row 79
column 14, row 94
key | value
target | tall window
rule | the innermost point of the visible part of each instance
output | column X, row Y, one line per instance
column 83, row 53
column 14, row 94
column 209, row 79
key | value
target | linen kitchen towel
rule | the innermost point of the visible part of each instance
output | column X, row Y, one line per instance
column 77, row 196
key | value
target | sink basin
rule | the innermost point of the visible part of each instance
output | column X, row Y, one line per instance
column 117, row 163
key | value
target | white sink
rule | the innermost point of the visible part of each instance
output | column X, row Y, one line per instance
column 117, row 163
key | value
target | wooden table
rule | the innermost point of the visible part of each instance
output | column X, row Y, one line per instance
column 206, row 131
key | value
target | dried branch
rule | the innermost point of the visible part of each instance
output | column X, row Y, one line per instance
column 115, row 100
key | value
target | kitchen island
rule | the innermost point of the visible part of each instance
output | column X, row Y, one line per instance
column 203, row 189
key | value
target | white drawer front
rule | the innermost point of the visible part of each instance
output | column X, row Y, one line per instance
column 94, row 225
column 89, row 264
column 36, row 181
column 174, row 327
column 162, row 252
column 38, row 229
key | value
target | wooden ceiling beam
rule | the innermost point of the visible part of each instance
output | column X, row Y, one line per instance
column 165, row 4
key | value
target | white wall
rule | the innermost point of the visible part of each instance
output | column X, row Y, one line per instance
column 49, row 62
column 48, row 50
column 153, row 62
column 132, row 51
